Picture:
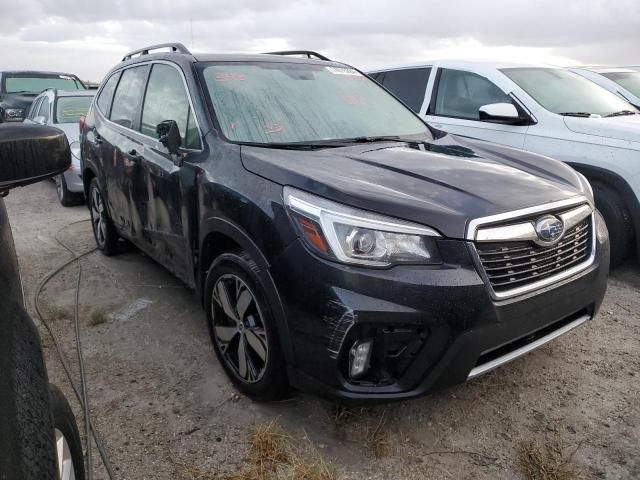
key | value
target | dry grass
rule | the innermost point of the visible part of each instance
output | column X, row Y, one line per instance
column 58, row 313
column 376, row 440
column 373, row 436
column 270, row 445
column 98, row 317
column 548, row 461
column 274, row 456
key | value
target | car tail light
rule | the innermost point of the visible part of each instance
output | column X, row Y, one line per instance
column 81, row 124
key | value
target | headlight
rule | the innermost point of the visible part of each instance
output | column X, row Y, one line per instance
column 359, row 237
column 13, row 113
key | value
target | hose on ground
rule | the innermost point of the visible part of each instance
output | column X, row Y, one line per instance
column 81, row 394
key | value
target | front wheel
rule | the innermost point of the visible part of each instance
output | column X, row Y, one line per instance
column 243, row 329
column 68, row 444
column 103, row 230
column 618, row 220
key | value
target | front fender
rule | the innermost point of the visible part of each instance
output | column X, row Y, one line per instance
column 220, row 226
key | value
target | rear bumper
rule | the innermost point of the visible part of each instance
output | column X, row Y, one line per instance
column 460, row 330
column 73, row 177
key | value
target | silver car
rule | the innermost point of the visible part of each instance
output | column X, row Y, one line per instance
column 63, row 109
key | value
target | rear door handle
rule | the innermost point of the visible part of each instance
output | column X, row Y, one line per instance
column 98, row 139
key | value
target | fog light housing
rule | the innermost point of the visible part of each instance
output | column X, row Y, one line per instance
column 359, row 358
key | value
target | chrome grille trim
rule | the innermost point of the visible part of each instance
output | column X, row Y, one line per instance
column 477, row 222
column 574, row 242
column 526, row 232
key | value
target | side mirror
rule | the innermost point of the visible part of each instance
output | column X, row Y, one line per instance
column 30, row 153
column 169, row 135
column 500, row 113
column 40, row 119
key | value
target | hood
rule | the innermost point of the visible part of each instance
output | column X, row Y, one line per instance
column 17, row 100
column 621, row 128
column 443, row 184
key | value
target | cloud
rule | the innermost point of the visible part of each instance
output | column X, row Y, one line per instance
column 88, row 37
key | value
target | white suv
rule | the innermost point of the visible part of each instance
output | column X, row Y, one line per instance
column 624, row 82
column 546, row 110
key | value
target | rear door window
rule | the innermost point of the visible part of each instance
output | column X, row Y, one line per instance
column 409, row 85
column 461, row 94
column 106, row 94
column 167, row 99
column 128, row 97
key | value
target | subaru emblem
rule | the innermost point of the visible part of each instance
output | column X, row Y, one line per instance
column 549, row 228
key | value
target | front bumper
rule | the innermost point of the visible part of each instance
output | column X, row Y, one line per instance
column 432, row 325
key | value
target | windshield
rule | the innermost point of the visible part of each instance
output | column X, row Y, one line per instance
column 70, row 109
column 627, row 80
column 273, row 103
column 36, row 83
column 563, row 92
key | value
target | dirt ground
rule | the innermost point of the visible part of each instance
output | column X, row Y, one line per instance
column 165, row 409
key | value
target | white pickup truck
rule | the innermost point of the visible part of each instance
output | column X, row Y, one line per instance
column 546, row 110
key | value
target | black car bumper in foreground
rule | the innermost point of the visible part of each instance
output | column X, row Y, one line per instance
column 431, row 326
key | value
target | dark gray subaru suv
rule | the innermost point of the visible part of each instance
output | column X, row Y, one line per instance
column 340, row 244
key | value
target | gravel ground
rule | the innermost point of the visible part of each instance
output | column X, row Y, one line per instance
column 165, row 409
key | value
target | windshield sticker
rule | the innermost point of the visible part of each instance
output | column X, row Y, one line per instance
column 65, row 77
column 275, row 128
column 343, row 71
column 230, row 77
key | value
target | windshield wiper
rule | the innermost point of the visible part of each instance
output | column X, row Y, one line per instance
column 621, row 113
column 393, row 138
column 293, row 145
column 333, row 143
column 575, row 114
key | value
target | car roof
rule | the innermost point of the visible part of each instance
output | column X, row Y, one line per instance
column 225, row 57
column 259, row 57
column 608, row 69
column 37, row 72
column 469, row 64
column 68, row 93
column 75, row 93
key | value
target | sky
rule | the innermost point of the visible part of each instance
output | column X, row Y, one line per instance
column 88, row 38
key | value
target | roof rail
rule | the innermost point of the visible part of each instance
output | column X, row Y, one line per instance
column 175, row 47
column 308, row 53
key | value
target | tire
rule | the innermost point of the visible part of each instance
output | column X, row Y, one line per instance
column 27, row 448
column 618, row 220
column 68, row 443
column 104, row 232
column 67, row 198
column 247, row 326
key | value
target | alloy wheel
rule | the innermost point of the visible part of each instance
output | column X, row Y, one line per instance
column 239, row 329
column 98, row 217
column 66, row 470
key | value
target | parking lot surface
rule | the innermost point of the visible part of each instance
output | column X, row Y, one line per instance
column 166, row 410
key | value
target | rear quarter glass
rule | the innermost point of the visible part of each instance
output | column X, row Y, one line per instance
column 70, row 109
